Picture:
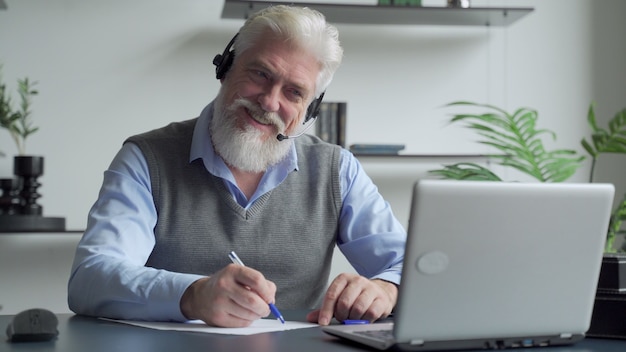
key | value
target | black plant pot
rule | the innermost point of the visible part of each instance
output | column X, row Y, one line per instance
column 609, row 311
column 613, row 274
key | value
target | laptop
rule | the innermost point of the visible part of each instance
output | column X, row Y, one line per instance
column 495, row 265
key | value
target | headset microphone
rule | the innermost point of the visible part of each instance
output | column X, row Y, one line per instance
column 281, row 137
column 311, row 114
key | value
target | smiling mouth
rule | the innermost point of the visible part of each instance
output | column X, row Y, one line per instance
column 259, row 119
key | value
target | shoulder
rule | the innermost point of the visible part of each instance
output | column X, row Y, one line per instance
column 172, row 130
column 310, row 142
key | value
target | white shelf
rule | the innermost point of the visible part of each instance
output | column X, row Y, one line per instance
column 392, row 15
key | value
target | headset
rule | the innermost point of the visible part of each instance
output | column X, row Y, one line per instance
column 224, row 61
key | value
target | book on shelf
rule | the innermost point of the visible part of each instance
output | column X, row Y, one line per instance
column 379, row 149
column 331, row 122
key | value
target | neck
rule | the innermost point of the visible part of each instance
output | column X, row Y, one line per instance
column 246, row 181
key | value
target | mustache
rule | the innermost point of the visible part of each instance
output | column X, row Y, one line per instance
column 257, row 113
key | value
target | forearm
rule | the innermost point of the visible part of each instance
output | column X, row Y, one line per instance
column 123, row 291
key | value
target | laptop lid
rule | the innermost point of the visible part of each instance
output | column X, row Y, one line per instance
column 498, row 264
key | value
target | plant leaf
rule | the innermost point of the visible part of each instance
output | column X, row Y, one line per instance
column 466, row 171
column 517, row 137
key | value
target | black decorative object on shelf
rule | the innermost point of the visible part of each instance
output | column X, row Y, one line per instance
column 10, row 197
column 29, row 169
column 19, row 210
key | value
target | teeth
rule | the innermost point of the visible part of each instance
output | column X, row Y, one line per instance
column 258, row 119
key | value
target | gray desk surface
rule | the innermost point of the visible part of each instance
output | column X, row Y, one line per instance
column 83, row 334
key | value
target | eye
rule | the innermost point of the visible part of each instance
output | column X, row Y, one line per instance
column 296, row 93
column 259, row 76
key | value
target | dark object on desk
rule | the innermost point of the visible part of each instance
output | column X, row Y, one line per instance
column 33, row 325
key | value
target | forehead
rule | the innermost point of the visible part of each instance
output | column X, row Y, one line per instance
column 284, row 59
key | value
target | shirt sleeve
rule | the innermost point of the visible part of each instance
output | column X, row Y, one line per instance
column 370, row 236
column 109, row 277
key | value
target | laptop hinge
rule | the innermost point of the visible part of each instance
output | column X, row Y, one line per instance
column 416, row 342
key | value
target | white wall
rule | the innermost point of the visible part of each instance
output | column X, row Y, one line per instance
column 110, row 69
column 34, row 270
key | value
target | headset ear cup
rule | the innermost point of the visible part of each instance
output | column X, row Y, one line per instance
column 225, row 61
column 314, row 108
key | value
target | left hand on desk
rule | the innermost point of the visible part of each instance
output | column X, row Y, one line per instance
column 351, row 296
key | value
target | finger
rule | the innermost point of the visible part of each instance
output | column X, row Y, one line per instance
column 313, row 317
column 247, row 304
column 363, row 305
column 375, row 302
column 231, row 317
column 333, row 293
column 352, row 292
column 217, row 307
column 256, row 282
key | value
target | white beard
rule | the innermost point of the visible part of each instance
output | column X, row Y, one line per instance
column 245, row 149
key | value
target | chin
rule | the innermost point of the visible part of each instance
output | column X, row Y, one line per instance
column 249, row 149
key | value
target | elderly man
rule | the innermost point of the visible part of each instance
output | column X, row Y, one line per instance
column 177, row 200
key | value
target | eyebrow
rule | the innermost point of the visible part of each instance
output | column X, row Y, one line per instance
column 260, row 65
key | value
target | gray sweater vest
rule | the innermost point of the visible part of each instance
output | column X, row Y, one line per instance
column 288, row 234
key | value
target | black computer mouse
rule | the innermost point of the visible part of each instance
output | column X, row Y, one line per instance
column 35, row 324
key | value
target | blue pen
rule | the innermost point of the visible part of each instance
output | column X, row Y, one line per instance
column 235, row 259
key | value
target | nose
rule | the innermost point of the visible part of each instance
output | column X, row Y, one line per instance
column 270, row 100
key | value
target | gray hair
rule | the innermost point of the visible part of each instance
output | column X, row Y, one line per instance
column 306, row 27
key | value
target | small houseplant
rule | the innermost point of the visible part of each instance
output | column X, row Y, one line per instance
column 18, row 121
column 520, row 143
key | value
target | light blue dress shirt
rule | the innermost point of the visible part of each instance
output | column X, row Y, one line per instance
column 109, row 277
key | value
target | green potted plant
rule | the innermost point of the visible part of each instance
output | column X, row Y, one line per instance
column 607, row 318
column 521, row 147
column 17, row 121
column 603, row 141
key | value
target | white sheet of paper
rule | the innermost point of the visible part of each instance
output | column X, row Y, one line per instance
column 257, row 327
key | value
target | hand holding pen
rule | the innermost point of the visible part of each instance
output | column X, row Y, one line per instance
column 235, row 259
